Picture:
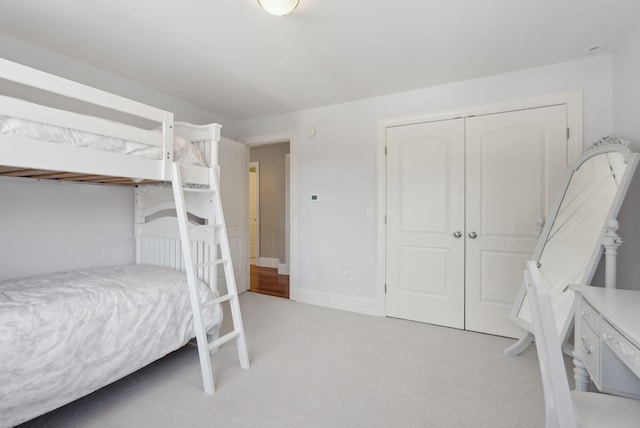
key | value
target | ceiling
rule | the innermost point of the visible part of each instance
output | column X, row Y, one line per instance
column 232, row 58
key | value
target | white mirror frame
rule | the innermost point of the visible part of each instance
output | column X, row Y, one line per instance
column 605, row 145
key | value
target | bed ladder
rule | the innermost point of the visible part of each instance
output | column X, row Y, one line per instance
column 216, row 233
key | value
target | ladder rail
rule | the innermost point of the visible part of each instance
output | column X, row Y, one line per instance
column 225, row 253
column 216, row 234
column 198, row 321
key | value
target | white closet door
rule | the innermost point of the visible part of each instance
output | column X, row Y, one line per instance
column 425, row 208
column 233, row 191
column 515, row 164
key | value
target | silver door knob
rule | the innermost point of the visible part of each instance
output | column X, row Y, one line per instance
column 457, row 234
column 473, row 235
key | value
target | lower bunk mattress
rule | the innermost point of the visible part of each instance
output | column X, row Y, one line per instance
column 65, row 335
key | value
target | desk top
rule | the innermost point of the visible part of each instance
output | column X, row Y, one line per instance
column 621, row 308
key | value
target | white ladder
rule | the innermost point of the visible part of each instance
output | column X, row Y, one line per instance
column 216, row 232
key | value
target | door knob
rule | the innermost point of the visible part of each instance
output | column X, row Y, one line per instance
column 457, row 234
column 473, row 235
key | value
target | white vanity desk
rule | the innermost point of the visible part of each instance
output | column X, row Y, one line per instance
column 579, row 228
column 607, row 340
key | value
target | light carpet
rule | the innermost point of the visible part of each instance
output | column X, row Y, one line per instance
column 319, row 367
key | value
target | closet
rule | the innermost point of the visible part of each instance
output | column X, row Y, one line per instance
column 465, row 201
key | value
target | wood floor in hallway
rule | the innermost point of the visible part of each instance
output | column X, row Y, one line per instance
column 267, row 281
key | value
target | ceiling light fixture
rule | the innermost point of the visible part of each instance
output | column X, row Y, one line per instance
column 279, row 7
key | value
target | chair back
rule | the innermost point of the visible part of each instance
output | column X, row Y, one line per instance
column 557, row 397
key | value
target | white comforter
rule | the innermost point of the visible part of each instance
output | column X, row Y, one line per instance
column 183, row 150
column 63, row 336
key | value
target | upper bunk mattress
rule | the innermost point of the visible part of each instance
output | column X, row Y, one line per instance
column 64, row 335
column 183, row 150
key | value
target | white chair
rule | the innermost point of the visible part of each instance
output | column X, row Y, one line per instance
column 564, row 408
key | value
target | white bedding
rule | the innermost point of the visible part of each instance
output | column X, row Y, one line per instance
column 183, row 150
column 65, row 335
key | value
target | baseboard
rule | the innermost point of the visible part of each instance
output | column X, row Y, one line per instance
column 283, row 269
column 268, row 262
column 338, row 301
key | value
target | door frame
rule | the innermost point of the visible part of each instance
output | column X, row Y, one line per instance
column 292, row 231
column 255, row 165
column 573, row 102
column 287, row 212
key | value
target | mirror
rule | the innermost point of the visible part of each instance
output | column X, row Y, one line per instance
column 570, row 245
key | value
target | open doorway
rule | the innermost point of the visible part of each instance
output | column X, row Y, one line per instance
column 268, row 177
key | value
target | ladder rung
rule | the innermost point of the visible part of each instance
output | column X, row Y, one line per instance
column 221, row 299
column 204, row 226
column 204, row 264
column 198, row 189
column 207, row 264
column 211, row 303
column 224, row 339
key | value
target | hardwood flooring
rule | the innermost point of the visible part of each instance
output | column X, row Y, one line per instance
column 267, row 281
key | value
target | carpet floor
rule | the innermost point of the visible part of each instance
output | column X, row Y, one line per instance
column 318, row 367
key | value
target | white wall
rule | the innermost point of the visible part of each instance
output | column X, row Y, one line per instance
column 626, row 123
column 339, row 165
column 626, row 88
column 49, row 227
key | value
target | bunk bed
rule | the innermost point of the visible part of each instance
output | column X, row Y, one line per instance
column 65, row 335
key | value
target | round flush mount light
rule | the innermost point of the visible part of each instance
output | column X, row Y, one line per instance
column 279, row 7
column 598, row 47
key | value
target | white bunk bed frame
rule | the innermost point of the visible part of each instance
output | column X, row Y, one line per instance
column 35, row 154
column 158, row 242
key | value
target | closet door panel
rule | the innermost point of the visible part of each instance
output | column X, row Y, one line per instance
column 425, row 207
column 497, row 266
column 504, row 211
column 423, row 177
column 515, row 163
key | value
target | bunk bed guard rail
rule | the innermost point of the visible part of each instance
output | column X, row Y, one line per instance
column 33, row 78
